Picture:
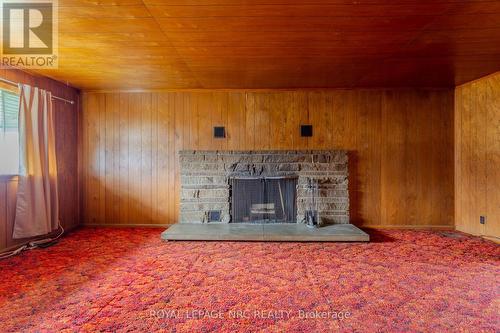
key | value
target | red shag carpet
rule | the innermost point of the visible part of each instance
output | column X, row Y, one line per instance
column 126, row 280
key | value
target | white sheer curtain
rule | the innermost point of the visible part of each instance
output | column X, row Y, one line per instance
column 37, row 210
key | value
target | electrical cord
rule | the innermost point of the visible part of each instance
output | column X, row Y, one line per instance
column 32, row 245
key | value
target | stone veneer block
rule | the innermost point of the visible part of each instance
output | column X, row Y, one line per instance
column 205, row 180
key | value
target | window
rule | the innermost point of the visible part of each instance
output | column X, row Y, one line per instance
column 9, row 136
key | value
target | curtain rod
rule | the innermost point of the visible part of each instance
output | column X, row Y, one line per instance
column 53, row 96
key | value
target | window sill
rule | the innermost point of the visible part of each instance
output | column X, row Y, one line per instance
column 5, row 178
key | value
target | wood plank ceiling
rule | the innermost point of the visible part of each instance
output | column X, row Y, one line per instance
column 157, row 44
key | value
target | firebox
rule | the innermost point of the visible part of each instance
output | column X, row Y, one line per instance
column 263, row 200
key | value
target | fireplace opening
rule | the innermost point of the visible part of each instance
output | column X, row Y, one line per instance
column 263, row 200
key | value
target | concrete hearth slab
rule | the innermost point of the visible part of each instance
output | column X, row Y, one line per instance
column 292, row 232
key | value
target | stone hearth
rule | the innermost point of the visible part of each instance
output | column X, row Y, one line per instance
column 277, row 232
column 206, row 178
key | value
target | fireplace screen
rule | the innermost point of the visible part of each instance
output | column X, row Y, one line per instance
column 263, row 200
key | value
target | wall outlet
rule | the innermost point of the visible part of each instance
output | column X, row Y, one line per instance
column 482, row 219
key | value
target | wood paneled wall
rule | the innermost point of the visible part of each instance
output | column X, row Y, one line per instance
column 66, row 117
column 400, row 143
column 477, row 156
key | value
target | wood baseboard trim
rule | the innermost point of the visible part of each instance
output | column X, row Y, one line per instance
column 405, row 227
column 487, row 237
column 492, row 239
column 128, row 225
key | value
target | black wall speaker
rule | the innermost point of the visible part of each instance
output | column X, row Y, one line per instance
column 306, row 130
column 219, row 132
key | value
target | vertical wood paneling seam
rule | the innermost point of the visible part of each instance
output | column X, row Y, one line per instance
column 484, row 134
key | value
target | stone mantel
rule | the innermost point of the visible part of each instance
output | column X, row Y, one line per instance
column 205, row 180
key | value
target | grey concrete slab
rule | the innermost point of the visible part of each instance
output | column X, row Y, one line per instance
column 300, row 232
column 292, row 232
column 214, row 231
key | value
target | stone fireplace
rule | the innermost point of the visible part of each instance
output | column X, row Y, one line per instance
column 264, row 186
